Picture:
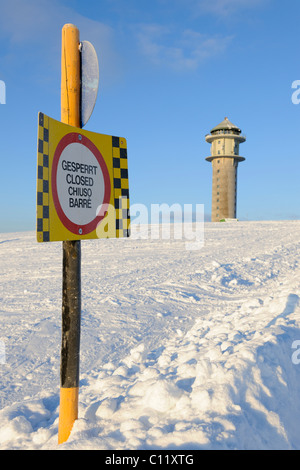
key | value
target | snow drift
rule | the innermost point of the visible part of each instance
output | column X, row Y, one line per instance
column 179, row 349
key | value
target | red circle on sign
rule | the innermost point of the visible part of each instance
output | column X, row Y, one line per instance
column 74, row 137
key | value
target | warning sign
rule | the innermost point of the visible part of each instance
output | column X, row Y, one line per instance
column 82, row 183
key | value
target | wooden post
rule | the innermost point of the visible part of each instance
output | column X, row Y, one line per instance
column 71, row 295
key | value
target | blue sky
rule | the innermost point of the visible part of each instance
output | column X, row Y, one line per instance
column 170, row 70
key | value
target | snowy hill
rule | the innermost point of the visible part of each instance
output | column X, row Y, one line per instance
column 179, row 349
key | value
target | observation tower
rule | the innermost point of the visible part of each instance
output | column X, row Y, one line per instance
column 225, row 140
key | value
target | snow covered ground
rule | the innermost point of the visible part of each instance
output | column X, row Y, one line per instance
column 179, row 349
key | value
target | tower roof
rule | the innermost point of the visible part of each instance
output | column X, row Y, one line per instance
column 226, row 124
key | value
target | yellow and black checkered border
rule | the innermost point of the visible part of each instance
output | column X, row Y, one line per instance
column 121, row 187
column 42, row 215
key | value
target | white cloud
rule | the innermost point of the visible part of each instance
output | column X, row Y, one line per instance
column 182, row 51
column 35, row 27
column 222, row 7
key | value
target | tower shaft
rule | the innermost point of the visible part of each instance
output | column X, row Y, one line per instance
column 224, row 189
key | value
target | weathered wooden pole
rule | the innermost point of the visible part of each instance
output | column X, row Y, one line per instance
column 71, row 294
